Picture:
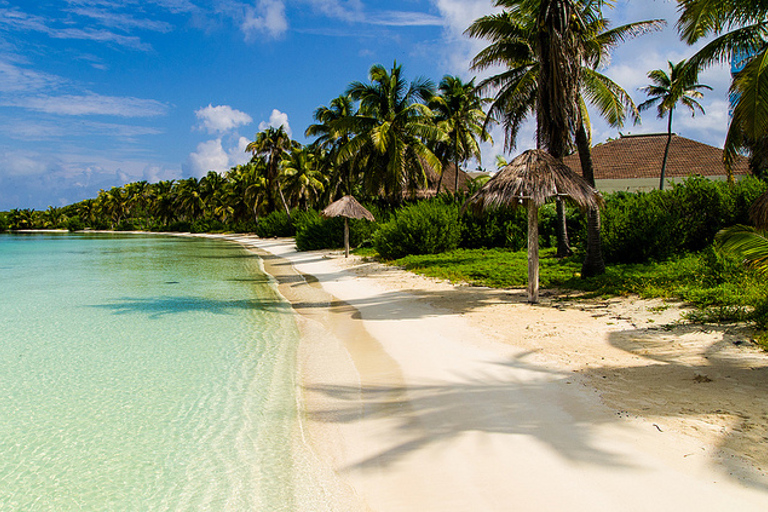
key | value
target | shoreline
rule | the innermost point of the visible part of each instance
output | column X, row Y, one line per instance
column 423, row 395
column 417, row 394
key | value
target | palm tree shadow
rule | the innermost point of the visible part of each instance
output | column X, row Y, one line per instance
column 722, row 384
column 530, row 401
column 157, row 307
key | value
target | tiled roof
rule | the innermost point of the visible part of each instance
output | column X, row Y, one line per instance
column 640, row 156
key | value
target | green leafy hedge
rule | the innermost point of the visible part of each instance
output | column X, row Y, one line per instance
column 639, row 227
column 427, row 227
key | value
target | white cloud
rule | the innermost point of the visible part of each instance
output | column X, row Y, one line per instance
column 14, row 79
column 349, row 10
column 15, row 19
column 221, row 118
column 404, row 19
column 237, row 155
column 210, row 156
column 90, row 104
column 267, row 17
column 21, row 163
column 154, row 173
column 276, row 120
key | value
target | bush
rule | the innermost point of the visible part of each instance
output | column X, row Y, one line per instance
column 73, row 224
column 656, row 225
column 179, row 226
column 427, row 227
column 502, row 227
column 276, row 223
column 313, row 232
column 3, row 222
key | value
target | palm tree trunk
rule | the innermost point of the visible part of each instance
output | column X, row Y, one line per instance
column 666, row 151
column 533, row 252
column 563, row 244
column 282, row 198
column 440, row 182
column 456, row 163
column 593, row 260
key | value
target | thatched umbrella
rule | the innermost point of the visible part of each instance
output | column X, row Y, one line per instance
column 529, row 180
column 349, row 208
column 758, row 213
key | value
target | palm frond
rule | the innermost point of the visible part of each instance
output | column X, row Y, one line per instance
column 746, row 242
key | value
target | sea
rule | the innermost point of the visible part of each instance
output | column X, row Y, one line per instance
column 147, row 373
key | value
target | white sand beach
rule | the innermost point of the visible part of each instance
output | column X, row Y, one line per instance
column 424, row 396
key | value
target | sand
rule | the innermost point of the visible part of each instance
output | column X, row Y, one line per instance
column 419, row 395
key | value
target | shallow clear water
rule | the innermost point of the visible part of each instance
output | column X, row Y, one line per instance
column 144, row 373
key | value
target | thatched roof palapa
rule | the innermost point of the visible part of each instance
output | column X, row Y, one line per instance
column 530, row 179
column 758, row 213
column 534, row 176
column 348, row 207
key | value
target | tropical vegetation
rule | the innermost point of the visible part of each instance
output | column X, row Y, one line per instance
column 387, row 140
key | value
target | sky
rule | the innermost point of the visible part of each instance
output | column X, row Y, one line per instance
column 99, row 93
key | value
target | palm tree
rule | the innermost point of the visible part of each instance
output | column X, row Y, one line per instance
column 331, row 139
column 458, row 110
column 740, row 29
column 514, row 46
column 190, row 202
column 303, row 180
column 161, row 197
column 273, row 144
column 666, row 91
column 390, row 132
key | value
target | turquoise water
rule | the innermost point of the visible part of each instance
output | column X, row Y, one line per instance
column 145, row 373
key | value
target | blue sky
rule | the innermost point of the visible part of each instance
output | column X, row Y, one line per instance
column 98, row 93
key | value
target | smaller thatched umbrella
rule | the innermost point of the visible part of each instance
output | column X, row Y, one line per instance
column 529, row 180
column 349, row 208
column 758, row 213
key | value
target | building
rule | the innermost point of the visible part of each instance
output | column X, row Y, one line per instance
column 633, row 162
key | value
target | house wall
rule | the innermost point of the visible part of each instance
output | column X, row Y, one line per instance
column 641, row 184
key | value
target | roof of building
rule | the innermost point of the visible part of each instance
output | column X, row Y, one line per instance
column 640, row 156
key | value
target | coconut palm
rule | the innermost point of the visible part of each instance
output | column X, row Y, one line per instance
column 190, row 202
column 458, row 110
column 273, row 144
column 514, row 46
column 330, row 138
column 390, row 132
column 740, row 30
column 666, row 91
column 515, row 40
column 302, row 178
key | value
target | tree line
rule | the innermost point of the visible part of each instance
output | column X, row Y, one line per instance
column 387, row 139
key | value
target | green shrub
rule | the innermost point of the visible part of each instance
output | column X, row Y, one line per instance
column 502, row 227
column 316, row 233
column 313, row 232
column 180, row 226
column 3, row 222
column 73, row 224
column 276, row 223
column 427, row 227
column 656, row 225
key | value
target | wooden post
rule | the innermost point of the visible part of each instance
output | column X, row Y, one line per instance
column 533, row 252
column 346, row 237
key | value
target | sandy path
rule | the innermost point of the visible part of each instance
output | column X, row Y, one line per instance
column 424, row 396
